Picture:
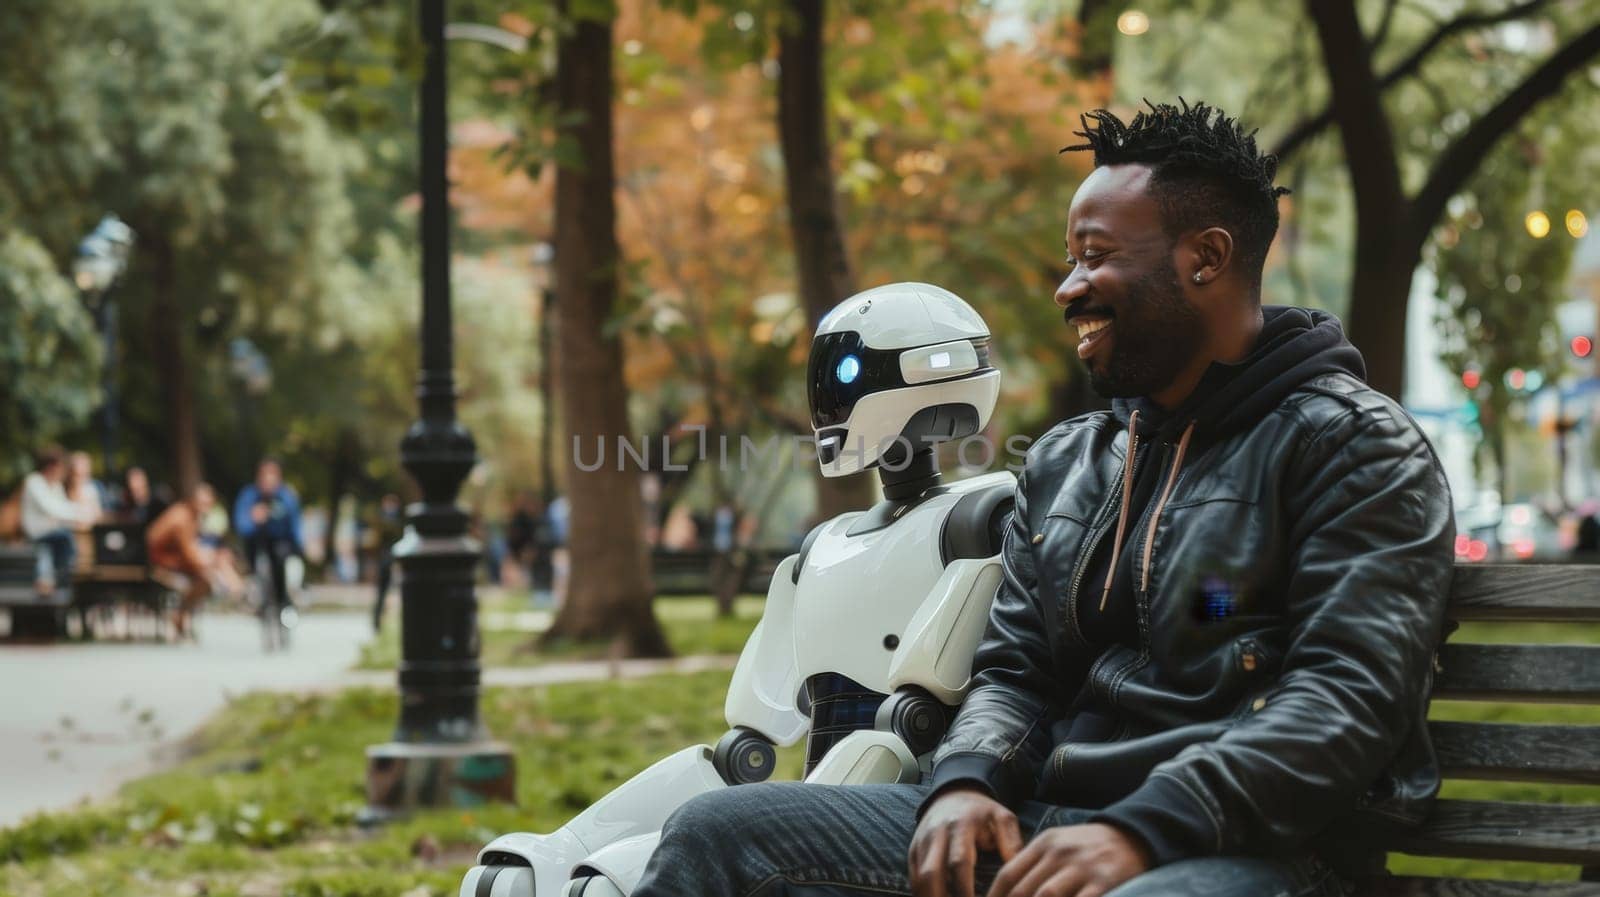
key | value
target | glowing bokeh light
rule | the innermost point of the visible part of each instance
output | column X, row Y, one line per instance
column 1538, row 224
column 1133, row 23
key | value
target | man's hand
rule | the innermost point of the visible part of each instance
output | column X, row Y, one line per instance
column 1071, row 861
column 944, row 849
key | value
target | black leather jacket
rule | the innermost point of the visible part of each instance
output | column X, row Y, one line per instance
column 1290, row 592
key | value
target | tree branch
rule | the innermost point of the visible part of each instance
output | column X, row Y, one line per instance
column 1357, row 106
column 1382, row 33
column 1308, row 128
column 1457, row 163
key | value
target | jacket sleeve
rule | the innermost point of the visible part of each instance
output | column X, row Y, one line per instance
column 291, row 501
column 242, row 524
column 1002, row 733
column 1370, row 559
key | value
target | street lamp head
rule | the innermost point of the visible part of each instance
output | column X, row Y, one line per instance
column 102, row 255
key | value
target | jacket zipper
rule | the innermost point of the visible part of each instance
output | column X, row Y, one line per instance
column 1093, row 543
column 1141, row 592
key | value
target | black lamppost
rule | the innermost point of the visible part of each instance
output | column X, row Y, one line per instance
column 441, row 753
column 101, row 259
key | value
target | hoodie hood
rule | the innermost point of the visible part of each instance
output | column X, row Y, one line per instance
column 1295, row 345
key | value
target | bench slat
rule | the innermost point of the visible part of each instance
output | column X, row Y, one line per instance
column 1548, row 592
column 1408, row 886
column 1568, row 755
column 1561, row 674
column 1538, row 833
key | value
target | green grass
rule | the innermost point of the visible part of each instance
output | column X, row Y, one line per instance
column 691, row 625
column 265, row 802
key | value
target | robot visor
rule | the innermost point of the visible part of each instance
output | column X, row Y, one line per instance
column 842, row 369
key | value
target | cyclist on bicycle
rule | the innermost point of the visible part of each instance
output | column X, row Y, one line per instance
column 267, row 518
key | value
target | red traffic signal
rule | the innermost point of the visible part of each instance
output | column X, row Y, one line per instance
column 1582, row 346
column 1471, row 379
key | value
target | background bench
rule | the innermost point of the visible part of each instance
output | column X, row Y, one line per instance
column 33, row 616
column 690, row 572
column 1558, row 754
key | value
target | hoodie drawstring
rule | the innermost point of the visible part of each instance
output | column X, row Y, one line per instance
column 1122, row 516
column 1127, row 499
column 1155, row 518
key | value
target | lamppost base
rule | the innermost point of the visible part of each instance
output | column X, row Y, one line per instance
column 403, row 776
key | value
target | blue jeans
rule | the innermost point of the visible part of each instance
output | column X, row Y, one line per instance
column 54, row 563
column 787, row 839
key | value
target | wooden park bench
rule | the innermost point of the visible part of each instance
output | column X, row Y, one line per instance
column 121, row 575
column 117, row 574
column 1551, row 754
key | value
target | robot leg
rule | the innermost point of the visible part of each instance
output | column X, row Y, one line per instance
column 866, row 756
column 614, row 870
column 523, row 864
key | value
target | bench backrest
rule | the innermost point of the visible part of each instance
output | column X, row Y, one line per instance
column 1556, row 754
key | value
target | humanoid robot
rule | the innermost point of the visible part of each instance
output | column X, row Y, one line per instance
column 866, row 641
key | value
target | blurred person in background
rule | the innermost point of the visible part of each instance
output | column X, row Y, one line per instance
column 176, row 544
column 266, row 516
column 49, row 518
column 138, row 502
column 1586, row 550
column 83, row 490
column 522, row 536
column 387, row 527
column 88, row 494
column 558, row 517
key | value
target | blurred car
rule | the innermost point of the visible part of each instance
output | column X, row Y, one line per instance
column 1526, row 532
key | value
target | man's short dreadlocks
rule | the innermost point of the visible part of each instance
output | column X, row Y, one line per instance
column 1204, row 172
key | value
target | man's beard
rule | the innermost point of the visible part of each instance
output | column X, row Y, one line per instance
column 1156, row 335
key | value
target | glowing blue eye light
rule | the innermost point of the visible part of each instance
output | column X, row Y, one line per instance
column 849, row 368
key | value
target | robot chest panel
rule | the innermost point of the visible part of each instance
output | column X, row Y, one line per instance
column 857, row 594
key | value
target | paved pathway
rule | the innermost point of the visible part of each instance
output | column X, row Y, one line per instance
column 78, row 719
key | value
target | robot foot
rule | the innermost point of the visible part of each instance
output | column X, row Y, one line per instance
column 500, row 881
column 592, row 886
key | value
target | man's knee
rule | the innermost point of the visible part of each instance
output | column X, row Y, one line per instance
column 720, row 816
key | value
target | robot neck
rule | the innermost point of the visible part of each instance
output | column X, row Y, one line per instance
column 911, row 478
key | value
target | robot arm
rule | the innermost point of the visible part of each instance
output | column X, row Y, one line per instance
column 762, row 706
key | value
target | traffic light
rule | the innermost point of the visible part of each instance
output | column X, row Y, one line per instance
column 1582, row 346
column 1471, row 379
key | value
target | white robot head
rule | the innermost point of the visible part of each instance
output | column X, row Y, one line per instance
column 893, row 370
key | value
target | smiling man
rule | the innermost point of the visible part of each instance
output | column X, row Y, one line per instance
column 1207, row 667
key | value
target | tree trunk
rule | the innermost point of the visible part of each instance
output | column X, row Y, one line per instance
column 1380, row 292
column 821, row 261
column 609, row 594
column 170, row 350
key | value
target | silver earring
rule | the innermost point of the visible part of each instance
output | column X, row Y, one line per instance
column 1197, row 277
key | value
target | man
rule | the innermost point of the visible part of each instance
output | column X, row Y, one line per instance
column 174, row 544
column 1207, row 664
column 387, row 528
column 48, row 519
column 266, row 515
